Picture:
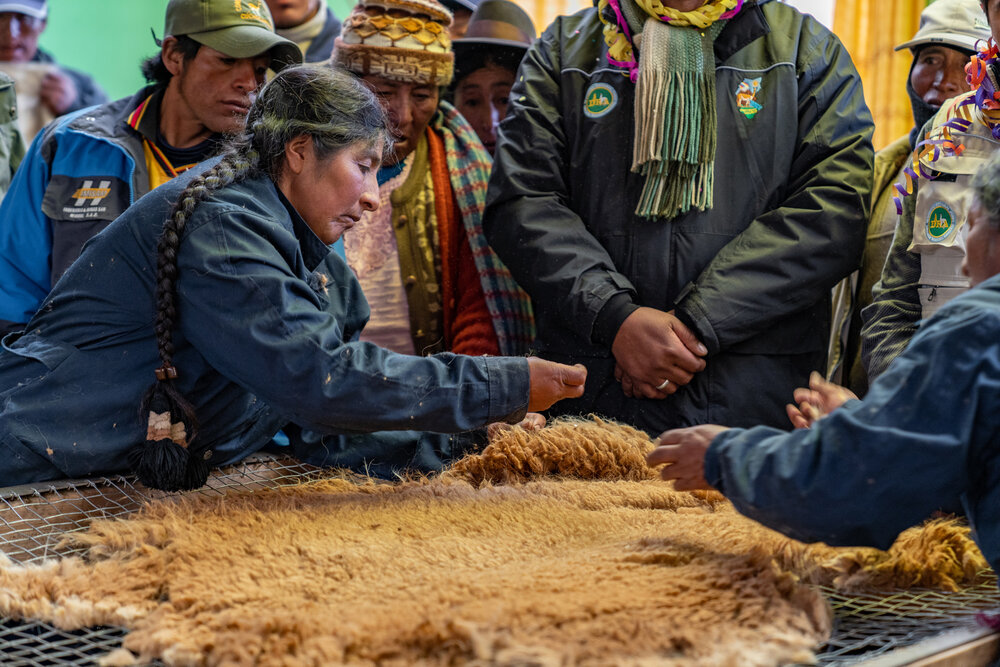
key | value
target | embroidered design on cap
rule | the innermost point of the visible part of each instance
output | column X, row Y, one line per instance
column 940, row 222
column 599, row 100
column 746, row 97
column 249, row 10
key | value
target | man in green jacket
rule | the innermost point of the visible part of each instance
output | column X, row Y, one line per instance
column 686, row 258
column 942, row 47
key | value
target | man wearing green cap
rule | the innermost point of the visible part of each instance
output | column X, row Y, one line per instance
column 84, row 169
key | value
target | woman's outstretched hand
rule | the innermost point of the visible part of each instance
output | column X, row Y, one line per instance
column 550, row 382
column 820, row 398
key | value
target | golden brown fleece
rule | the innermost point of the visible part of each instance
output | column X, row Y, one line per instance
column 459, row 570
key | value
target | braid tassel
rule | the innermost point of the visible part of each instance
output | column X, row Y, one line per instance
column 164, row 461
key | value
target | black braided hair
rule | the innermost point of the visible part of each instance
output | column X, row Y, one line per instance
column 337, row 110
column 167, row 459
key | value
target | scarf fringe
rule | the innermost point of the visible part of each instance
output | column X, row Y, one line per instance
column 675, row 142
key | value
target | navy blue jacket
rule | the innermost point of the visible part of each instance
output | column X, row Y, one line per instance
column 266, row 334
column 925, row 436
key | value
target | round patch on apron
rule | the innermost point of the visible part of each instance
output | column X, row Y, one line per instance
column 940, row 222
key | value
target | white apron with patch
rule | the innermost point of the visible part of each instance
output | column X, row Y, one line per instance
column 942, row 208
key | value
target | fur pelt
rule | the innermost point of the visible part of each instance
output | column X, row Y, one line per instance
column 529, row 553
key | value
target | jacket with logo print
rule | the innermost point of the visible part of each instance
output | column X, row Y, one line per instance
column 80, row 173
column 751, row 276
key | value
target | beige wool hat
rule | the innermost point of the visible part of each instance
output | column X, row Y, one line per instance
column 956, row 23
column 402, row 40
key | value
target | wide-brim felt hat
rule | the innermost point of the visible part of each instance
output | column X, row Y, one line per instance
column 498, row 23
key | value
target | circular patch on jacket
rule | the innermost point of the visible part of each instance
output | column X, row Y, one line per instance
column 599, row 100
column 940, row 222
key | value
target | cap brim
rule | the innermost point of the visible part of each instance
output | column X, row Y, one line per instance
column 470, row 42
column 248, row 41
column 957, row 41
column 22, row 8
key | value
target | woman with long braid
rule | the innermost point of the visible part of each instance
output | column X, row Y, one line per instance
column 248, row 319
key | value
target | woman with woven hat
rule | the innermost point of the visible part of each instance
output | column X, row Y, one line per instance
column 677, row 185
column 431, row 279
column 486, row 60
column 248, row 319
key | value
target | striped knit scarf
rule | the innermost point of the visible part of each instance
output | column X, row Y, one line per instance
column 469, row 165
column 675, row 109
column 675, row 122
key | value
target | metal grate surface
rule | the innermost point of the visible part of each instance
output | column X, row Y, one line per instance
column 34, row 520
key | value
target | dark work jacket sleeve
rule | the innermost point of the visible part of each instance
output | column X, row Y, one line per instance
column 527, row 214
column 792, row 255
column 283, row 342
column 923, row 437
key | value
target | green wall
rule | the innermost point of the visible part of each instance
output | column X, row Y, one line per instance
column 109, row 38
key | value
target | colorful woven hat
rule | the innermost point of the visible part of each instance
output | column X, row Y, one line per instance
column 403, row 40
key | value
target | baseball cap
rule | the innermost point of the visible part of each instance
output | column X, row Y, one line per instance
column 37, row 8
column 237, row 28
column 957, row 23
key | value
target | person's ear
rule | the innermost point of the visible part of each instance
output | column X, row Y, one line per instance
column 171, row 56
column 298, row 151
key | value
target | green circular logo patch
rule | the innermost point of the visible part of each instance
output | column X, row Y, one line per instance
column 940, row 221
column 599, row 100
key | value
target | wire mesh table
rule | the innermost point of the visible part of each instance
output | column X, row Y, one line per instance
column 35, row 519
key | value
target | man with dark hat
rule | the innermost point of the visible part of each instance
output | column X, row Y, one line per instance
column 309, row 23
column 486, row 61
column 678, row 206
column 62, row 89
column 88, row 167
